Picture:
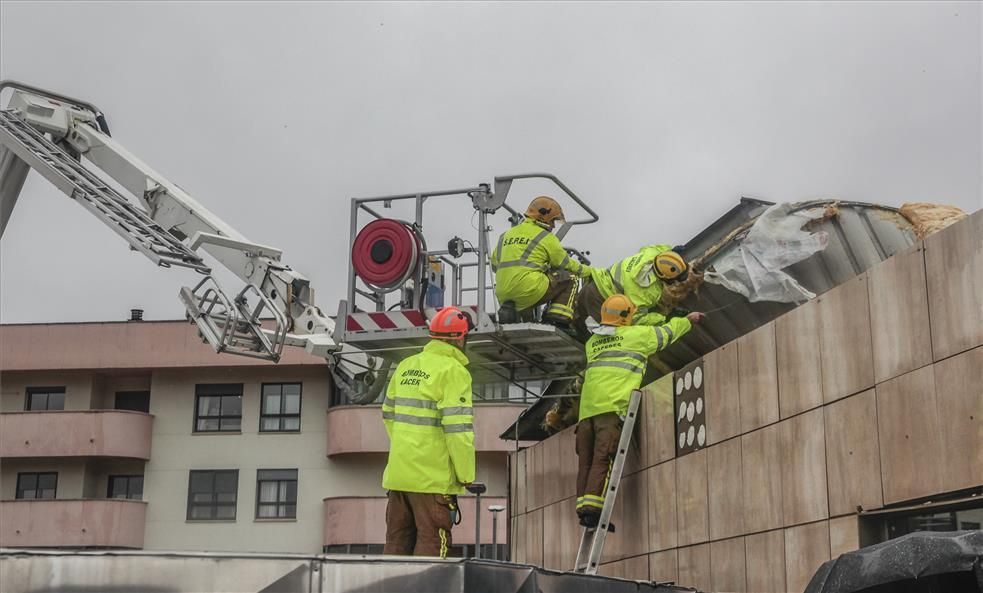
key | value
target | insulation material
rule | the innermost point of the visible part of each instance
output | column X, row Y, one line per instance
column 675, row 293
column 929, row 218
column 562, row 414
column 754, row 266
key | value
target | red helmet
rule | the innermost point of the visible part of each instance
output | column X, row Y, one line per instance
column 449, row 324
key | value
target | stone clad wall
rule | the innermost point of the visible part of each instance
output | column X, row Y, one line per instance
column 867, row 396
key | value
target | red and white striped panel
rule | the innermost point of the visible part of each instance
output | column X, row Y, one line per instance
column 386, row 320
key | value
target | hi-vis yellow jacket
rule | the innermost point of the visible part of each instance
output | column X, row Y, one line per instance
column 429, row 418
column 635, row 278
column 616, row 359
column 525, row 253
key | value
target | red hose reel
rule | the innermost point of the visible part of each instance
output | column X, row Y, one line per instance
column 386, row 253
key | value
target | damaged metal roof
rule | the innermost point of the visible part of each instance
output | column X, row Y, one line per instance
column 859, row 236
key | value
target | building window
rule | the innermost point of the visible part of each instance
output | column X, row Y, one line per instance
column 276, row 494
column 45, row 398
column 37, row 485
column 126, row 487
column 218, row 408
column 455, row 551
column 136, row 401
column 367, row 549
column 881, row 526
column 212, row 494
column 280, row 409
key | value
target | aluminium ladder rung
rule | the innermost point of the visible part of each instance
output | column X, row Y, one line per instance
column 592, row 540
column 113, row 209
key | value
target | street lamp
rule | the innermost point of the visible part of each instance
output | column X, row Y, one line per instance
column 477, row 488
column 495, row 510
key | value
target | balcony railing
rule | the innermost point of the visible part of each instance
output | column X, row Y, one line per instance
column 359, row 429
column 81, row 433
column 64, row 523
column 362, row 520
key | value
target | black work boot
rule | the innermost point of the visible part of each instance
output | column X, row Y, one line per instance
column 590, row 521
column 507, row 313
column 561, row 323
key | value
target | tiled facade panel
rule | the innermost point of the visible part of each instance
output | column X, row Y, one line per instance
column 803, row 449
column 552, row 485
column 664, row 566
column 657, row 436
column 727, row 565
column 844, row 339
column 954, row 270
column 522, row 485
column 662, row 505
column 725, row 486
column 561, row 536
column 844, row 535
column 694, row 566
column 568, row 463
column 910, row 437
column 534, row 535
column 959, row 395
column 517, row 538
column 869, row 395
column 852, row 454
column 636, row 568
column 762, row 475
column 633, row 529
column 899, row 308
column 765, row 565
column 691, row 498
column 535, row 478
column 758, row 377
column 800, row 384
column 723, row 403
column 806, row 547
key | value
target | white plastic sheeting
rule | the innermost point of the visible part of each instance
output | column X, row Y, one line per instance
column 754, row 266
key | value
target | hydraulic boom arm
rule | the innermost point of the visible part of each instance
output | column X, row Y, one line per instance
column 50, row 133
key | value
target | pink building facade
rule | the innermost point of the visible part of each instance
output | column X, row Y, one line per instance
column 137, row 435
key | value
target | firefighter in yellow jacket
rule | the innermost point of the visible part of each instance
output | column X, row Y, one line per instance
column 640, row 277
column 429, row 419
column 617, row 353
column 532, row 268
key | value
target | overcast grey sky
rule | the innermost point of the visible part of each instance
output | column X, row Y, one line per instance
column 660, row 115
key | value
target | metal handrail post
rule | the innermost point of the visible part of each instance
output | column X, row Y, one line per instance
column 482, row 262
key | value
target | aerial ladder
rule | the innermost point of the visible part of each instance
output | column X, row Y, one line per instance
column 51, row 133
column 395, row 280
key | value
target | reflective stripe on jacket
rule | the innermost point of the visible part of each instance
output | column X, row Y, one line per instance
column 635, row 278
column 616, row 360
column 523, row 256
column 430, row 422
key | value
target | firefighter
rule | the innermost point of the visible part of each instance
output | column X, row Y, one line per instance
column 429, row 419
column 532, row 268
column 640, row 277
column 617, row 352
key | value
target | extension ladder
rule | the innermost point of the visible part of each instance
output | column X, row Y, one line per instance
column 592, row 539
column 82, row 185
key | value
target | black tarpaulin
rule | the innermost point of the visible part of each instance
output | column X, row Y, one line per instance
column 922, row 555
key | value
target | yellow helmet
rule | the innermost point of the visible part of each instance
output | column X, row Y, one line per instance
column 617, row 310
column 544, row 209
column 669, row 265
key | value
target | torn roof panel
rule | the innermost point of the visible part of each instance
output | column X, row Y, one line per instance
column 859, row 236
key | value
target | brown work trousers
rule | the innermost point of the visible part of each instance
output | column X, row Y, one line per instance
column 560, row 296
column 419, row 524
column 597, row 443
column 589, row 303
